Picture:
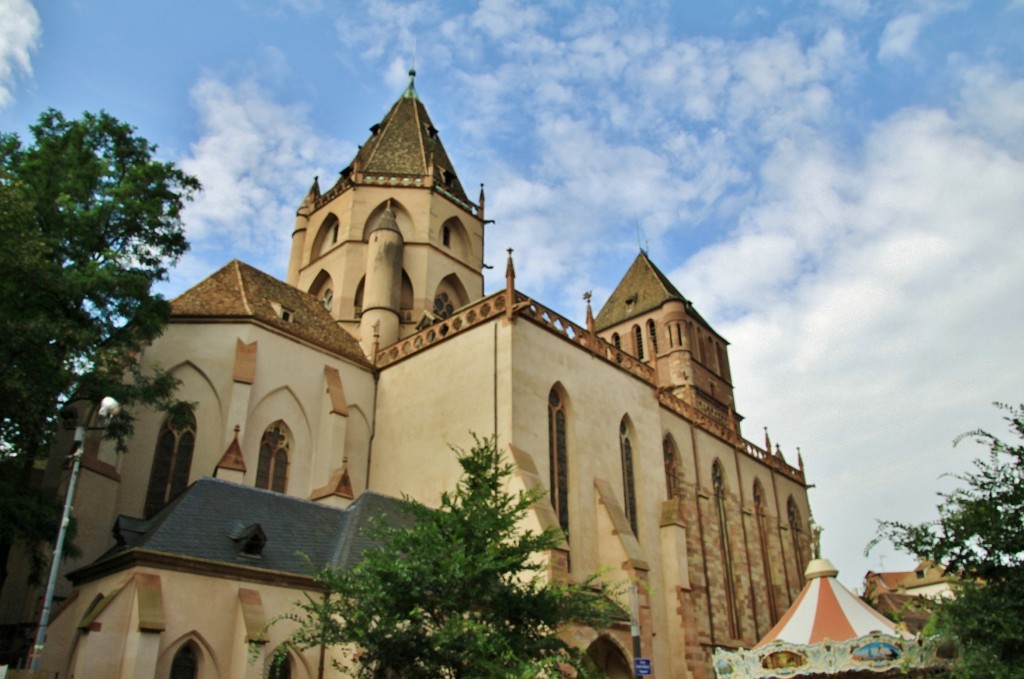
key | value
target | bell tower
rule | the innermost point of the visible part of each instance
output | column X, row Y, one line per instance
column 395, row 239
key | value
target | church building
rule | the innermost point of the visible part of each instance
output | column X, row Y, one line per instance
column 318, row 399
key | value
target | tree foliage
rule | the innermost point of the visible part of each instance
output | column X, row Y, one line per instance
column 979, row 538
column 89, row 221
column 455, row 591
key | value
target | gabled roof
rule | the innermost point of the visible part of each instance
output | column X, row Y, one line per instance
column 406, row 142
column 239, row 291
column 642, row 289
column 213, row 519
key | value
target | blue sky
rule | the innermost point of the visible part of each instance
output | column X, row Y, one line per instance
column 837, row 185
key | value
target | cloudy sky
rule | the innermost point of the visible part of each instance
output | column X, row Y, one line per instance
column 838, row 185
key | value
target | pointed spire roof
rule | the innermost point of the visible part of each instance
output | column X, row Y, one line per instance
column 825, row 609
column 406, row 143
column 643, row 288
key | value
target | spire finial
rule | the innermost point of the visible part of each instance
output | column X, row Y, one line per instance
column 510, row 285
column 410, row 91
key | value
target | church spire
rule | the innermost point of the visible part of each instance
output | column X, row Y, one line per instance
column 405, row 147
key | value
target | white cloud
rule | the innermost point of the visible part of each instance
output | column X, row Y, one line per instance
column 20, row 30
column 256, row 158
column 874, row 306
column 864, row 264
column 898, row 38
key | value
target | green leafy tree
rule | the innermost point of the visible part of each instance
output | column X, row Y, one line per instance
column 979, row 537
column 89, row 221
column 455, row 591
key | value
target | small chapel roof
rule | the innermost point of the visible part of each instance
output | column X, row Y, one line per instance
column 241, row 291
column 643, row 289
column 406, row 142
column 223, row 522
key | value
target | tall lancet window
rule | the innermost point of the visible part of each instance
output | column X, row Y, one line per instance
column 652, row 330
column 628, row 481
column 558, row 459
column 272, row 471
column 671, row 467
column 185, row 664
column 172, row 461
column 794, row 532
column 638, row 342
column 718, row 482
column 762, row 538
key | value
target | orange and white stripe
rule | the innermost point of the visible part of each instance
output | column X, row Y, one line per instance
column 825, row 609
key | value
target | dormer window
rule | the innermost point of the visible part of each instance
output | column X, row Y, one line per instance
column 250, row 540
column 431, row 132
column 284, row 313
column 375, row 129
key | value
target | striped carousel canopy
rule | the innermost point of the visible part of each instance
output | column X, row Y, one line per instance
column 825, row 609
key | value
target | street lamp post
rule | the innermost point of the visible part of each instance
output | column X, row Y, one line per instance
column 105, row 409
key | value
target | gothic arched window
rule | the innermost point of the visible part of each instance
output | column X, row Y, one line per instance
column 280, row 669
column 793, row 514
column 558, row 459
column 185, row 664
column 671, row 467
column 718, row 482
column 628, row 482
column 172, row 461
column 652, row 330
column 638, row 342
column 762, row 538
column 272, row 471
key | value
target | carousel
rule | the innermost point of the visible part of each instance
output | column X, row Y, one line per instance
column 830, row 632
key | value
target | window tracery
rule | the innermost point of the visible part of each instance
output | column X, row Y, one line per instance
column 443, row 307
column 272, row 470
column 172, row 461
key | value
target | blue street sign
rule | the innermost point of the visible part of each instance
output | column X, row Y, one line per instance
column 642, row 667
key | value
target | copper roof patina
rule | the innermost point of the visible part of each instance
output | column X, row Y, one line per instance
column 239, row 291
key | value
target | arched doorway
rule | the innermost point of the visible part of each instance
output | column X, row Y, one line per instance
column 609, row 659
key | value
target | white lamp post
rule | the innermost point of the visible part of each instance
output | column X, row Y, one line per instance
column 106, row 408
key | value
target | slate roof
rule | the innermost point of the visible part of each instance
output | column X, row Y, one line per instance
column 406, row 142
column 643, row 289
column 211, row 519
column 240, row 291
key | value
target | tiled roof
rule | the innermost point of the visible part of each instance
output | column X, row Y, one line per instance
column 643, row 288
column 210, row 520
column 406, row 142
column 240, row 291
column 889, row 580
